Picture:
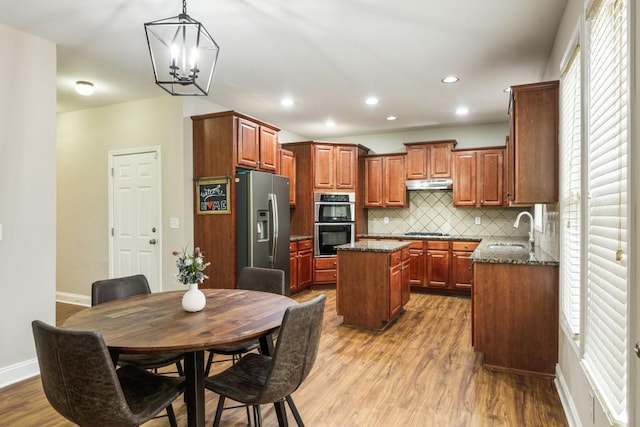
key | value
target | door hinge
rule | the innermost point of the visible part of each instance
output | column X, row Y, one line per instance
column 112, row 173
column 112, row 232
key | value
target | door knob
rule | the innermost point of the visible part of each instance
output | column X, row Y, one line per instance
column 637, row 348
column 153, row 241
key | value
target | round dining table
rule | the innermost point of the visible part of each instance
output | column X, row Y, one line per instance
column 156, row 323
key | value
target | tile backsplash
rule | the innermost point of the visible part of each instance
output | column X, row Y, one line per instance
column 434, row 211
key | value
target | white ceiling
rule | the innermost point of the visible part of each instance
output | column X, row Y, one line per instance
column 328, row 55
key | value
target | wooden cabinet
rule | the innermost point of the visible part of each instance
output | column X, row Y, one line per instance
column 288, row 169
column 438, row 264
column 532, row 148
column 385, row 181
column 335, row 167
column 461, row 264
column 371, row 288
column 325, row 270
column 429, row 160
column 301, row 264
column 418, row 263
column 478, row 178
column 515, row 317
column 257, row 145
column 406, row 276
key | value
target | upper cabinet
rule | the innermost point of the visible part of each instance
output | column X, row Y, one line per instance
column 428, row 160
column 384, row 183
column 288, row 169
column 532, row 146
column 478, row 178
column 335, row 167
column 257, row 145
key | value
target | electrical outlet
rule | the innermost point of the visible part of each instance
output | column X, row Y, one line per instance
column 174, row 223
column 478, row 220
column 385, row 220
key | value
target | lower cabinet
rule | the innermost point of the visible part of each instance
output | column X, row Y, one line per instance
column 301, row 264
column 406, row 275
column 325, row 270
column 438, row 264
column 417, row 259
column 461, row 265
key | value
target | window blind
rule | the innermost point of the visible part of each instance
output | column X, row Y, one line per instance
column 570, row 183
column 606, row 314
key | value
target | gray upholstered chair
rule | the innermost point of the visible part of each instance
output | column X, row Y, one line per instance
column 82, row 384
column 258, row 379
column 121, row 287
column 253, row 279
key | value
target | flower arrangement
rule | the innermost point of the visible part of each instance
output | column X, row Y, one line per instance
column 191, row 266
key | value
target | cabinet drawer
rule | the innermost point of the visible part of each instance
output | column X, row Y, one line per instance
column 464, row 246
column 326, row 263
column 438, row 244
column 305, row 244
column 293, row 247
column 321, row 276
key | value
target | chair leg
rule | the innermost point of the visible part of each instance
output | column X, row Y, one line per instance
column 172, row 416
column 209, row 362
column 294, row 411
column 246, row 408
column 179, row 369
column 257, row 416
column 216, row 420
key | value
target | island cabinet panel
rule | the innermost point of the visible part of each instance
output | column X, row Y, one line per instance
column 370, row 289
column 515, row 317
column 406, row 276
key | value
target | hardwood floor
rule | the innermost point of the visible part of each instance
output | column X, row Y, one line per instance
column 421, row 371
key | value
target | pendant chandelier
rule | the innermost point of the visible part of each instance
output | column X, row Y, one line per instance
column 183, row 54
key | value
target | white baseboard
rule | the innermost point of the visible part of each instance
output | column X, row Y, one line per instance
column 569, row 407
column 76, row 299
column 18, row 372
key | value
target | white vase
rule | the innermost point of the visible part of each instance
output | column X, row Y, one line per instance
column 193, row 300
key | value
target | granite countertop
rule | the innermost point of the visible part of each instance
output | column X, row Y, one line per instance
column 373, row 246
column 298, row 238
column 502, row 253
column 463, row 238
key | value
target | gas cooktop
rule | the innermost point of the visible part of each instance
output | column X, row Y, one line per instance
column 425, row 233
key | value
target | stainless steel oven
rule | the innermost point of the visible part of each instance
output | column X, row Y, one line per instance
column 330, row 235
column 334, row 207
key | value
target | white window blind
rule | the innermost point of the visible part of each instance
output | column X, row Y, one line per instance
column 570, row 182
column 606, row 314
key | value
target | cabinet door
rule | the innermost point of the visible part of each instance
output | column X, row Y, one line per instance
column 490, row 174
column 305, row 264
column 394, row 187
column 373, row 182
column 464, row 184
column 416, row 277
column 323, row 166
column 288, row 169
column 268, row 149
column 417, row 161
column 438, row 268
column 405, row 281
column 248, row 144
column 345, row 166
column 461, row 270
column 440, row 160
column 293, row 267
column 395, row 290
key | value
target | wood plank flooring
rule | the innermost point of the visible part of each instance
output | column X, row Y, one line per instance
column 421, row 371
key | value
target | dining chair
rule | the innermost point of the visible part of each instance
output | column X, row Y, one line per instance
column 82, row 384
column 253, row 279
column 121, row 287
column 259, row 379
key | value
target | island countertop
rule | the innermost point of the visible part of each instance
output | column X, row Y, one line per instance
column 373, row 246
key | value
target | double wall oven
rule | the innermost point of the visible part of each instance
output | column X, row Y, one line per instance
column 334, row 215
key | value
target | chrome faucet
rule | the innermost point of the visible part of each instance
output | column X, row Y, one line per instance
column 517, row 223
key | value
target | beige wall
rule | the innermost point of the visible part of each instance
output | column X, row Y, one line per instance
column 84, row 140
column 27, row 197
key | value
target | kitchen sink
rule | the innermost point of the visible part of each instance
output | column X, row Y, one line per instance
column 506, row 246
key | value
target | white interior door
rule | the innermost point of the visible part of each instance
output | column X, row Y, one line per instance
column 135, row 216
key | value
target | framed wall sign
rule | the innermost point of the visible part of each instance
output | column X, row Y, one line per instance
column 212, row 195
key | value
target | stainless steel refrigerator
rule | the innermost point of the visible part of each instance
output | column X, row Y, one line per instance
column 262, row 221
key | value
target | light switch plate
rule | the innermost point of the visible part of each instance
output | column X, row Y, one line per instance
column 174, row 223
column 478, row 220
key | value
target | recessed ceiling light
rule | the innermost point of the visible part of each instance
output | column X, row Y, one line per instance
column 286, row 102
column 461, row 111
column 450, row 79
column 372, row 100
column 329, row 123
column 392, row 118
column 84, row 88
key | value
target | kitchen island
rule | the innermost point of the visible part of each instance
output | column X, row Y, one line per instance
column 373, row 282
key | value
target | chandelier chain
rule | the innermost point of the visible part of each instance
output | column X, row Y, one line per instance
column 184, row 7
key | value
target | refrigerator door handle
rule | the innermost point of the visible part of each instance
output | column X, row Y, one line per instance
column 275, row 226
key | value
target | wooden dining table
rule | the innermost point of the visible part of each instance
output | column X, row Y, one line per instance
column 156, row 323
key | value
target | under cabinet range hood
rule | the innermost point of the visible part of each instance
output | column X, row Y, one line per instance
column 430, row 184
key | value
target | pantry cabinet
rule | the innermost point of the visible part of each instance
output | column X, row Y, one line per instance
column 532, row 147
column 384, row 181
